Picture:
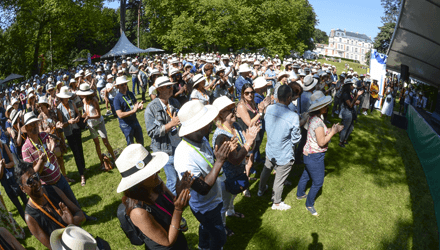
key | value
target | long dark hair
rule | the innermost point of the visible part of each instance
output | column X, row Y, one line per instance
column 138, row 194
column 346, row 88
column 246, row 86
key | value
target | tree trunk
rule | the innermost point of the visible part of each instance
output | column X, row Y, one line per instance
column 36, row 50
column 122, row 16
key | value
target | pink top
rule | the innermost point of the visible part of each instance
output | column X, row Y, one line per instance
column 312, row 146
column 30, row 154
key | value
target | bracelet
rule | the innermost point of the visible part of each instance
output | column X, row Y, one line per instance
column 178, row 209
column 178, row 229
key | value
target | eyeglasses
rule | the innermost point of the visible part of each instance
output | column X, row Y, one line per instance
column 30, row 180
column 249, row 93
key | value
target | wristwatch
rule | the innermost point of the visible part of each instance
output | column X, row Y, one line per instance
column 261, row 113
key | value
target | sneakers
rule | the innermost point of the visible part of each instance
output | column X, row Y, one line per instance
column 281, row 206
column 365, row 113
column 312, row 211
column 260, row 193
column 109, row 112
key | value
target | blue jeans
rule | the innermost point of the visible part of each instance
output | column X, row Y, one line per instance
column 135, row 82
column 171, row 174
column 112, row 107
column 212, row 233
column 347, row 121
column 65, row 187
column 132, row 131
column 314, row 169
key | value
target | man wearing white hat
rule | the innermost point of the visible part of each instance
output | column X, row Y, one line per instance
column 243, row 78
column 161, row 122
column 126, row 106
column 196, row 155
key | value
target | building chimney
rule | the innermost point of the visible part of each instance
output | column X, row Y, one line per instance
column 344, row 31
column 357, row 33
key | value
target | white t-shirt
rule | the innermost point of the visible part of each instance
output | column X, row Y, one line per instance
column 187, row 158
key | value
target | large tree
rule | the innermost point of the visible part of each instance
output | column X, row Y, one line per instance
column 320, row 36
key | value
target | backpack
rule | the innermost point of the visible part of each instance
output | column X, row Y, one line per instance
column 131, row 231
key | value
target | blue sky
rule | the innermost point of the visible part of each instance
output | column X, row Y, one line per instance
column 361, row 16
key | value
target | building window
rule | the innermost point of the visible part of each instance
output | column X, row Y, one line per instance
column 356, row 50
column 363, row 51
column 356, row 57
column 340, row 40
column 348, row 48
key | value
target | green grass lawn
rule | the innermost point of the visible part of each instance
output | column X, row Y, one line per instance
column 375, row 196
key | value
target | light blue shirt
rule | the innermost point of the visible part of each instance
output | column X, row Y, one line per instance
column 188, row 159
column 283, row 132
column 271, row 73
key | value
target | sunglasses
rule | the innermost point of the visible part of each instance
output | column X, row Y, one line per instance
column 249, row 93
column 34, row 177
column 169, row 86
column 232, row 110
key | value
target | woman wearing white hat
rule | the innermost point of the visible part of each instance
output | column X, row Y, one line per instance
column 31, row 104
column 152, row 208
column 110, row 92
column 318, row 137
column 199, row 92
column 95, row 122
column 234, row 168
column 68, row 115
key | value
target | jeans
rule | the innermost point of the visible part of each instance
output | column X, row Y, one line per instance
column 99, row 93
column 228, row 203
column 135, row 82
column 13, row 191
column 132, row 131
column 171, row 174
column 212, row 233
column 315, row 170
column 65, row 187
column 283, row 172
column 112, row 107
column 347, row 121
column 76, row 145
column 336, row 104
column 372, row 102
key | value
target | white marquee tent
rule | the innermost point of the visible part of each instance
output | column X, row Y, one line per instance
column 123, row 47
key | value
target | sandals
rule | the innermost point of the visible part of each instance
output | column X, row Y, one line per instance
column 237, row 214
column 229, row 232
column 83, row 181
column 246, row 193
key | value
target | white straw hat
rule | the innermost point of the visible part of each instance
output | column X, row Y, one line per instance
column 72, row 237
column 49, row 87
column 29, row 118
column 309, row 82
column 198, row 79
column 14, row 101
column 318, row 100
column 64, row 92
column 84, row 89
column 174, row 71
column 14, row 116
column 110, row 76
column 43, row 99
column 162, row 81
column 121, row 80
column 194, row 116
column 260, row 82
column 136, row 164
column 222, row 102
column 281, row 74
column 244, row 68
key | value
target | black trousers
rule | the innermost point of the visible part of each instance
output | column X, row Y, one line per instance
column 372, row 102
column 75, row 144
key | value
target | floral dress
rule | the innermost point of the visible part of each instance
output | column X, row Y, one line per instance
column 312, row 146
column 8, row 222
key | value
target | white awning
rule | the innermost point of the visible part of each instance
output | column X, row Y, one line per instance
column 123, row 47
column 416, row 41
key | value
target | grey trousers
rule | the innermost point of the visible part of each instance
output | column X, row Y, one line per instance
column 280, row 177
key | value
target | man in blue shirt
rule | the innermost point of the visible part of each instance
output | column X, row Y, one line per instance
column 244, row 72
column 283, row 132
column 126, row 106
column 270, row 76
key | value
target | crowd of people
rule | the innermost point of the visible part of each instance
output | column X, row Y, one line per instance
column 243, row 96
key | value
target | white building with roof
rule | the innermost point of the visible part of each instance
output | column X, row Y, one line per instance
column 347, row 44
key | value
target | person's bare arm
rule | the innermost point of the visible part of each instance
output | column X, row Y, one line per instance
column 37, row 231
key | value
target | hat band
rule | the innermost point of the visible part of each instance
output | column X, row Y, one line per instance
column 30, row 118
column 318, row 100
column 306, row 85
column 64, row 244
column 162, row 83
column 196, row 117
column 136, row 168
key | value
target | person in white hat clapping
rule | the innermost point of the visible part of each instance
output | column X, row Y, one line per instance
column 244, row 77
column 126, row 106
column 194, row 154
column 162, row 124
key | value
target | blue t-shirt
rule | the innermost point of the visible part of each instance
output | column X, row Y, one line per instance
column 258, row 98
column 122, row 102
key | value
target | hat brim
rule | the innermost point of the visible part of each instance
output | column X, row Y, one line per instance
column 87, row 92
column 55, row 238
column 317, row 106
column 278, row 78
column 204, row 120
column 60, row 95
column 120, row 83
column 158, row 161
column 306, row 88
column 14, row 119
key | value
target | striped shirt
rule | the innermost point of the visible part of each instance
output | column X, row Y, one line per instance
column 30, row 154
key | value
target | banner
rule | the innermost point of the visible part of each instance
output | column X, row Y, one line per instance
column 378, row 63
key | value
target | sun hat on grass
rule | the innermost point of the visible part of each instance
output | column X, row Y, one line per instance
column 136, row 164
